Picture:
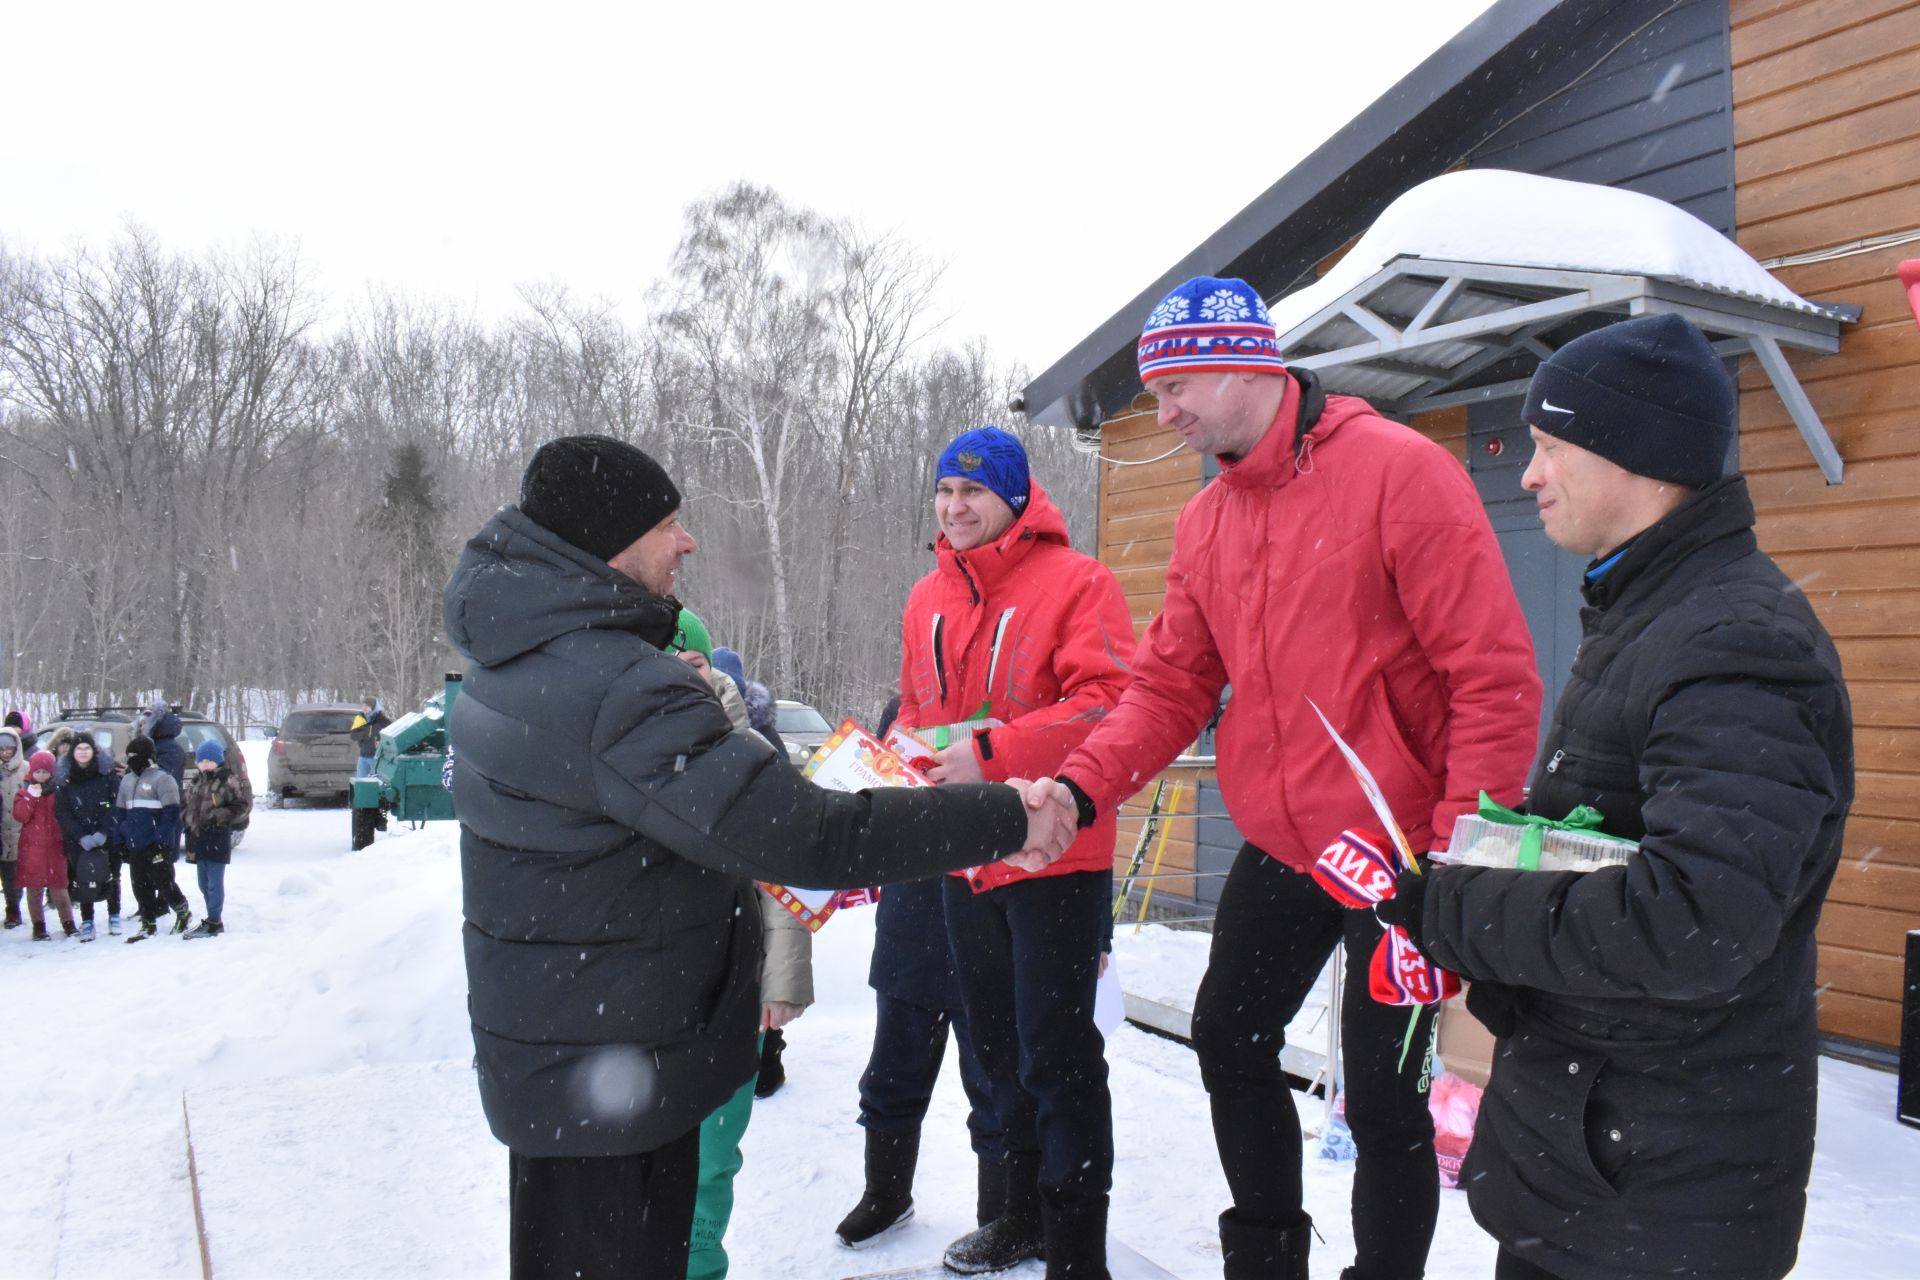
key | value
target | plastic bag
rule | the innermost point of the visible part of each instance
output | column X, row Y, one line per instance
column 1455, row 1104
column 1336, row 1140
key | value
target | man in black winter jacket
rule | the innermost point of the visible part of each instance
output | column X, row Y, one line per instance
column 1651, row 1111
column 612, row 826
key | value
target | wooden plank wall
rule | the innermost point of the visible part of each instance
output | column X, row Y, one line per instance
column 1826, row 120
column 1140, row 496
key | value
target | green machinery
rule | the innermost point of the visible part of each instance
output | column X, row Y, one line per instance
column 407, row 766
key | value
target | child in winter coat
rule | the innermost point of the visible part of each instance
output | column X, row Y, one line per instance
column 786, row 990
column 42, row 854
column 13, row 776
column 218, row 803
column 149, row 826
column 84, row 805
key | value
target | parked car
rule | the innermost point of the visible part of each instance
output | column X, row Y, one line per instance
column 312, row 755
column 801, row 727
column 111, row 728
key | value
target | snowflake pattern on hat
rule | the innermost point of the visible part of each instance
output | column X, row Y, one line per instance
column 1173, row 309
column 1225, row 305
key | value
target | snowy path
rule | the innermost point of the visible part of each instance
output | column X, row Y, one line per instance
column 322, row 1046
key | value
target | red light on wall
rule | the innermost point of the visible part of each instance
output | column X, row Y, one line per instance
column 1495, row 447
column 1910, row 281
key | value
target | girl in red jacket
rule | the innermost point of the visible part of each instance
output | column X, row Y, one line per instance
column 43, row 852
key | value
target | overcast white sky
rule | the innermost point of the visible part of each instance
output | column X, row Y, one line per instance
column 1057, row 157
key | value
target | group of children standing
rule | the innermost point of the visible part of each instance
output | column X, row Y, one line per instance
column 70, row 817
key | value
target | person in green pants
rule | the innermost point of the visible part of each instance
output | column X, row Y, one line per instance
column 786, row 989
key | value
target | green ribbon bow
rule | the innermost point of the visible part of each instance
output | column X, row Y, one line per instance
column 1584, row 820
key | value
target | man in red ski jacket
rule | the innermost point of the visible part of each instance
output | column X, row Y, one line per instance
column 1344, row 559
column 1017, row 645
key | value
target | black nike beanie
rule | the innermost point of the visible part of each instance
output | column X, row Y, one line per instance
column 1647, row 394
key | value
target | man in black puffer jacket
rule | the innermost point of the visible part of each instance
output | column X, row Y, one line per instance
column 1651, row 1111
column 612, row 826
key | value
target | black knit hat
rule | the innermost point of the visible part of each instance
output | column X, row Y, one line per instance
column 1648, row 395
column 596, row 492
column 139, row 753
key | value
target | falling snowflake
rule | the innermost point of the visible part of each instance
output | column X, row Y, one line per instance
column 1172, row 311
column 1225, row 304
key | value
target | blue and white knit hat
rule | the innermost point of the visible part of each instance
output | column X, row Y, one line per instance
column 991, row 457
column 1209, row 325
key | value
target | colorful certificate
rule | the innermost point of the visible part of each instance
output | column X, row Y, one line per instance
column 851, row 759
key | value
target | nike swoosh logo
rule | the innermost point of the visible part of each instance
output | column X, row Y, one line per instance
column 1551, row 407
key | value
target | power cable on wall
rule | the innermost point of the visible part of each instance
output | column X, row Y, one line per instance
column 1869, row 244
column 1141, row 462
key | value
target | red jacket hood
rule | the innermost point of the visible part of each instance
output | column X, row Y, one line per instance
column 1270, row 463
column 986, row 565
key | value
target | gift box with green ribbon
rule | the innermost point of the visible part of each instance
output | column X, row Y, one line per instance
column 1501, row 837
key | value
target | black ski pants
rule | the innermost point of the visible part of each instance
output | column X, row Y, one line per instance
column 155, row 891
column 909, row 1042
column 1273, row 934
column 10, row 886
column 1028, row 956
column 603, row 1217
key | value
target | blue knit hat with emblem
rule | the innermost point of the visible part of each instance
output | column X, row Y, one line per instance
column 1209, row 325
column 991, row 457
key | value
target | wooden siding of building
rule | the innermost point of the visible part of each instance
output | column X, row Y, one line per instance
column 1140, row 497
column 1827, row 152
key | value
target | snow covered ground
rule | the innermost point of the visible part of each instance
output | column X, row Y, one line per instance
column 320, row 1052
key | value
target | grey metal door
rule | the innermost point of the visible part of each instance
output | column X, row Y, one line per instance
column 1545, row 578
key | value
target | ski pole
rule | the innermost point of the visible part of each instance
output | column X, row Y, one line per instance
column 1166, row 828
column 1150, row 820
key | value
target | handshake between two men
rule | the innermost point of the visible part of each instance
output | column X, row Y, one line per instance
column 1053, row 820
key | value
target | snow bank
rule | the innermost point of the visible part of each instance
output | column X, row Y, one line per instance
column 322, row 1049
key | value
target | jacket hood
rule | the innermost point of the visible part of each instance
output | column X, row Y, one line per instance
column 1040, row 522
column 12, row 737
column 1270, row 463
column 165, row 724
column 517, row 586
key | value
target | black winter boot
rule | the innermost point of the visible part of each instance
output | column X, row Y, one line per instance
column 1076, row 1241
column 772, row 1074
column 1253, row 1251
column 1013, row 1237
column 991, row 1200
column 887, row 1202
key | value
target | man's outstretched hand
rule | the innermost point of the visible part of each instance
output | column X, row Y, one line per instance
column 1052, row 823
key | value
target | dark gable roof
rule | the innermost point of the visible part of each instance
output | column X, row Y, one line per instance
column 1419, row 129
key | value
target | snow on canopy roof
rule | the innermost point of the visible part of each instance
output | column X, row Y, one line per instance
column 1500, row 217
